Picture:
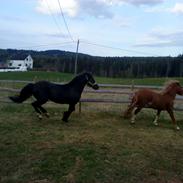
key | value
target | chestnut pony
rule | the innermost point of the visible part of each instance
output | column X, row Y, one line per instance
column 162, row 101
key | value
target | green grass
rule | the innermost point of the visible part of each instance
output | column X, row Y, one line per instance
column 96, row 146
column 36, row 75
column 65, row 77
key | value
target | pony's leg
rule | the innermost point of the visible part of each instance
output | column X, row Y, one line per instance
column 133, row 117
column 44, row 111
column 129, row 111
column 68, row 113
column 155, row 122
column 170, row 111
column 134, row 113
column 36, row 107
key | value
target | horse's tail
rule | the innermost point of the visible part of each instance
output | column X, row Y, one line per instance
column 128, row 111
column 25, row 93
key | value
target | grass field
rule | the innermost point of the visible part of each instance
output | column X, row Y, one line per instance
column 65, row 77
column 96, row 146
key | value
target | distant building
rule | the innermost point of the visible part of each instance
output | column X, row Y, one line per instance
column 2, row 64
column 22, row 65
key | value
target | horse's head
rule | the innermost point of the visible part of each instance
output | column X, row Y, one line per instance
column 175, row 87
column 178, row 88
column 90, row 81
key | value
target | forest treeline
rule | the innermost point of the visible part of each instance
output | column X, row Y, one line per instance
column 63, row 61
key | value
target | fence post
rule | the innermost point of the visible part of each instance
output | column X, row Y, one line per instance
column 132, row 88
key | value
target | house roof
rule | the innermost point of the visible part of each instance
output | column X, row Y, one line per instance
column 19, row 57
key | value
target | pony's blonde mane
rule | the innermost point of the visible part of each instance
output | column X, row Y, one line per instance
column 167, row 85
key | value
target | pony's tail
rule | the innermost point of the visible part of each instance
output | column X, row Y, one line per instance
column 25, row 93
column 128, row 112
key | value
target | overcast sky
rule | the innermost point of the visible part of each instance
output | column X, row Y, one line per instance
column 104, row 27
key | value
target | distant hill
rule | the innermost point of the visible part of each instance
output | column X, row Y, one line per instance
column 63, row 61
column 6, row 54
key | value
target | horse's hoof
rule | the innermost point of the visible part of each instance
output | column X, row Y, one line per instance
column 40, row 116
column 132, row 122
column 155, row 123
column 177, row 128
column 65, row 120
column 47, row 115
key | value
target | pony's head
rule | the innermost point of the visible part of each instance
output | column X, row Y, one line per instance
column 90, row 80
column 174, row 85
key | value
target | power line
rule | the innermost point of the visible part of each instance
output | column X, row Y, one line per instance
column 116, row 48
column 66, row 25
column 54, row 19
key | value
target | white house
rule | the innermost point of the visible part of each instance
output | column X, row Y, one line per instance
column 22, row 65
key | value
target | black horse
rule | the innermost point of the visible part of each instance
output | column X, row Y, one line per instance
column 69, row 93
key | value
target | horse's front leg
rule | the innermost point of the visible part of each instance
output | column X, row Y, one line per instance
column 68, row 113
column 155, row 122
column 134, row 113
column 44, row 111
column 170, row 111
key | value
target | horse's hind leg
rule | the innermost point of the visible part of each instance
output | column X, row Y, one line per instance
column 155, row 122
column 68, row 113
column 37, row 109
column 170, row 111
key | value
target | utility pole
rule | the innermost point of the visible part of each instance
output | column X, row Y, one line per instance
column 76, row 59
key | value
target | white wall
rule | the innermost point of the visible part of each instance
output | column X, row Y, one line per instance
column 28, row 63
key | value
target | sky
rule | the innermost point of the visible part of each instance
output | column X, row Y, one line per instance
column 103, row 27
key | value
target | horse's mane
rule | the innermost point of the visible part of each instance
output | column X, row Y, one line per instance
column 168, row 84
column 77, row 77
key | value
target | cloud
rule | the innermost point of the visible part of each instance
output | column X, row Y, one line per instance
column 70, row 7
column 178, row 8
column 55, row 35
column 73, row 8
column 95, row 8
column 162, row 39
column 136, row 2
